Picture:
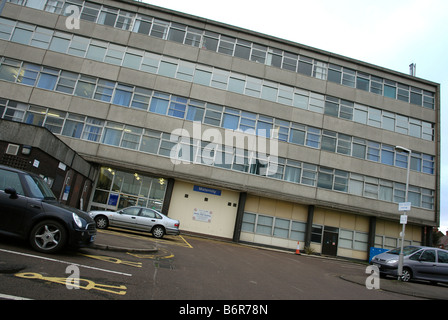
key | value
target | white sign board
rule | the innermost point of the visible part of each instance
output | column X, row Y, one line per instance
column 404, row 206
column 202, row 215
column 403, row 219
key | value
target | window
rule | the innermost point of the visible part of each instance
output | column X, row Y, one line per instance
column 140, row 99
column 142, row 24
column 54, row 121
column 168, row 67
column 108, row 16
column 97, row 50
column 195, row 111
column 78, row 46
column 159, row 103
column 281, row 228
column 226, row 45
column 29, row 74
column 10, row 179
column 131, row 137
column 93, row 129
column 85, row 87
column 114, row 54
column 264, row 225
column 159, row 29
column 177, row 107
column 293, row 171
column 112, row 133
column 258, row 53
column 242, row 49
column 48, row 78
column 213, row 115
column 334, row 73
column 22, row 33
column 73, row 126
column 150, row 141
column 231, row 119
column 193, row 37
column 123, row 95
column 104, row 90
column 66, row 82
column 9, row 69
column 363, row 81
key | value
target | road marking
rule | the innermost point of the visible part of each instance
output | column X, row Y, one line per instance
column 65, row 262
column 9, row 297
column 113, row 260
column 89, row 284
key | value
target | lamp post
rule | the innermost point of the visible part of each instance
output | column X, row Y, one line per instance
column 400, row 257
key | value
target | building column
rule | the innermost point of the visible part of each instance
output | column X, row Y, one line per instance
column 239, row 216
column 372, row 232
column 309, row 226
column 168, row 195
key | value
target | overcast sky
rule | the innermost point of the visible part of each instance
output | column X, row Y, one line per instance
column 388, row 33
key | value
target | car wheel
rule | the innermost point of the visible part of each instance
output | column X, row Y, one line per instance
column 158, row 232
column 101, row 222
column 406, row 275
column 48, row 236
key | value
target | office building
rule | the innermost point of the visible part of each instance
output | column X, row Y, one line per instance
column 237, row 134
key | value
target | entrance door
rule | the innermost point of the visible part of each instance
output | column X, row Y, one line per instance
column 330, row 242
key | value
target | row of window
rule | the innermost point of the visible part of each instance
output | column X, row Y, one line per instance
column 295, row 230
column 211, row 114
column 217, row 78
column 204, row 152
column 208, row 40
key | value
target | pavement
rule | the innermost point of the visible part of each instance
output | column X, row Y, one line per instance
column 115, row 241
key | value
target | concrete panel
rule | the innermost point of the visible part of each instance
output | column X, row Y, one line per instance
column 50, row 99
column 89, row 107
column 26, row 53
column 12, row 91
column 99, row 69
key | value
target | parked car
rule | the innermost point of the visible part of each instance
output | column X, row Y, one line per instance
column 29, row 210
column 137, row 218
column 424, row 263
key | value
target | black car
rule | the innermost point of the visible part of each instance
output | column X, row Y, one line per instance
column 29, row 210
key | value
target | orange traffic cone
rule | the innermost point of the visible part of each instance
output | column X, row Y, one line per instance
column 298, row 249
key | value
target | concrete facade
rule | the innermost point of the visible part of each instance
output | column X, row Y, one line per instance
column 180, row 68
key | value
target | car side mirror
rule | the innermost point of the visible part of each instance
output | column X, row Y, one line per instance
column 12, row 192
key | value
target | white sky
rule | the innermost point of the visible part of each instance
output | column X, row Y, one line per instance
column 388, row 33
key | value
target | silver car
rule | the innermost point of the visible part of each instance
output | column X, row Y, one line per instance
column 137, row 218
column 424, row 263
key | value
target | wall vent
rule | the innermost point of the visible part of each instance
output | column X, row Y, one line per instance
column 13, row 149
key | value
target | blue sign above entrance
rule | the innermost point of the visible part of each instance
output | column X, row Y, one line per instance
column 215, row 192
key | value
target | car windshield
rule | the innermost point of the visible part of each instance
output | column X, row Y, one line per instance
column 39, row 189
column 406, row 250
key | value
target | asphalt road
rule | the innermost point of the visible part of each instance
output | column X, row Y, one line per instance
column 176, row 268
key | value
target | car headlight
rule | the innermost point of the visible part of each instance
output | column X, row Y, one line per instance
column 393, row 261
column 77, row 220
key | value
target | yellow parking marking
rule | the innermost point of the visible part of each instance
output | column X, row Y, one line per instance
column 169, row 240
column 76, row 282
column 161, row 254
column 113, row 260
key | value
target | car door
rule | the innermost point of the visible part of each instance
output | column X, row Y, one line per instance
column 13, row 207
column 148, row 218
column 125, row 218
column 425, row 267
column 442, row 265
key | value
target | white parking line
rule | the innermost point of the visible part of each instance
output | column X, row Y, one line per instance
column 9, row 297
column 65, row 262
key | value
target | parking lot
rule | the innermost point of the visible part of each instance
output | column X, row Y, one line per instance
column 132, row 265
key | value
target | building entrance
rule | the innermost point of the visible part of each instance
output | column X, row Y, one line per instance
column 330, row 241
